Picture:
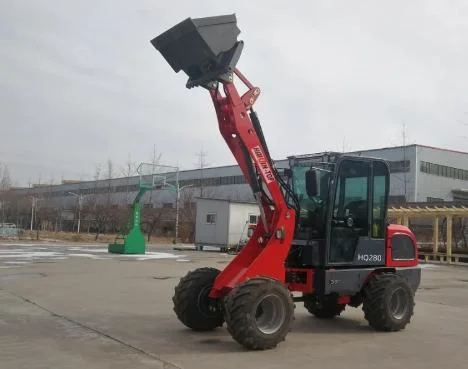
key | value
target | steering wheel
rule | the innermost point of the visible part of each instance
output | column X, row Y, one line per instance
column 347, row 221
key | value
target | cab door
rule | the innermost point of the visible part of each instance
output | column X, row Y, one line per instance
column 358, row 211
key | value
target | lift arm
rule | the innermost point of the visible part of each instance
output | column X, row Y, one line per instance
column 268, row 247
column 186, row 46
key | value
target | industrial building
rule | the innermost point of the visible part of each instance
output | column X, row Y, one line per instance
column 425, row 174
column 418, row 174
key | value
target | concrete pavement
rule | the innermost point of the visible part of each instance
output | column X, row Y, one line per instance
column 62, row 311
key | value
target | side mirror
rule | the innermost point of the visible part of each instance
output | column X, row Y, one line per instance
column 311, row 182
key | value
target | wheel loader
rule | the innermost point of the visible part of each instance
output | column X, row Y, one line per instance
column 322, row 239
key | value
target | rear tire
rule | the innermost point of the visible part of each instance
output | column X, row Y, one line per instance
column 323, row 310
column 388, row 302
column 259, row 313
column 192, row 305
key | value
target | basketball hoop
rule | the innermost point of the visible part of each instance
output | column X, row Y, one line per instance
column 157, row 176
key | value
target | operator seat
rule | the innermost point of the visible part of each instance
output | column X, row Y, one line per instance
column 360, row 213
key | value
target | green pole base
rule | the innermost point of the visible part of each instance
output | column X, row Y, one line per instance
column 134, row 244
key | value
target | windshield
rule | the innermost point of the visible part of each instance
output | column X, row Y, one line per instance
column 313, row 210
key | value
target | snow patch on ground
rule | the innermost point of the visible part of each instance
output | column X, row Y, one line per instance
column 89, row 250
column 28, row 254
column 16, row 262
column 429, row 266
column 152, row 256
column 91, row 256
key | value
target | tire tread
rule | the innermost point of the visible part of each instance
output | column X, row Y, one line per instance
column 374, row 302
column 239, row 322
column 184, row 300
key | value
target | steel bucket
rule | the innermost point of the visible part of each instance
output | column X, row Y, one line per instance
column 206, row 49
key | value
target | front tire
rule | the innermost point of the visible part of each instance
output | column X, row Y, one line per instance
column 259, row 313
column 388, row 302
column 192, row 305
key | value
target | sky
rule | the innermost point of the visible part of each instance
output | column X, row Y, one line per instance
column 81, row 84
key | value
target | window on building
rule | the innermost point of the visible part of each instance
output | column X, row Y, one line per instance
column 443, row 171
column 253, row 219
column 399, row 166
column 211, row 218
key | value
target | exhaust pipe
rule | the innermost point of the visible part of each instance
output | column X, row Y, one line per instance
column 206, row 49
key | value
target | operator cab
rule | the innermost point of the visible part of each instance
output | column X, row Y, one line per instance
column 343, row 207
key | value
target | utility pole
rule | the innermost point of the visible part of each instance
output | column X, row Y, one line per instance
column 404, row 157
column 201, row 165
column 80, row 203
column 33, row 208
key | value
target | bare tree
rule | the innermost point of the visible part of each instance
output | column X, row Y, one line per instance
column 128, row 170
column 5, row 178
column 155, row 160
column 5, row 184
column 129, row 167
column 109, row 176
column 97, row 172
column 155, row 157
column 150, row 218
column 187, row 216
column 110, row 169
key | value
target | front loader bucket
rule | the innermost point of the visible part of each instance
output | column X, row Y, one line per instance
column 206, row 49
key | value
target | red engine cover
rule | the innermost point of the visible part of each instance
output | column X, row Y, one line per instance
column 396, row 229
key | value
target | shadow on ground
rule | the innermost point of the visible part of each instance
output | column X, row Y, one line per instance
column 165, row 335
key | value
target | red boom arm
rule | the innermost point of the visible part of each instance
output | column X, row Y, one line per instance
column 269, row 245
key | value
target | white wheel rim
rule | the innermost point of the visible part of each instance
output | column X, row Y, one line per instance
column 270, row 314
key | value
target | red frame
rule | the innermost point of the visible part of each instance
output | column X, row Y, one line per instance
column 264, row 253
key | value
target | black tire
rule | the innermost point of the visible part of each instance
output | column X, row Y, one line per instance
column 325, row 309
column 388, row 302
column 192, row 305
column 259, row 313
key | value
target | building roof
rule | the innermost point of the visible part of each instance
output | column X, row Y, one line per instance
column 226, row 200
column 414, row 145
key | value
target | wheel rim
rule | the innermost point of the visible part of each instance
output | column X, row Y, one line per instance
column 398, row 303
column 205, row 305
column 270, row 314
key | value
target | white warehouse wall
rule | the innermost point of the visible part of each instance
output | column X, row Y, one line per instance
column 238, row 216
column 430, row 185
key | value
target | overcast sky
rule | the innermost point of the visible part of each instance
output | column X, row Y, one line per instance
column 80, row 82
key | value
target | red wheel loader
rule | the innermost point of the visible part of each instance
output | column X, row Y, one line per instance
column 322, row 237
